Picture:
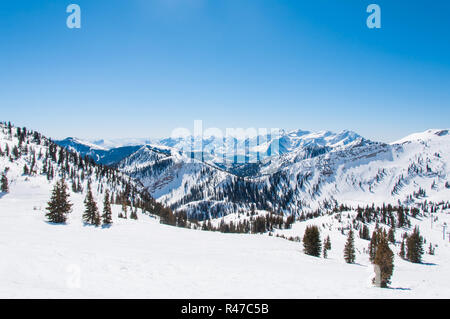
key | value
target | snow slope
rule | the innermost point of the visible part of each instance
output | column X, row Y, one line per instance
column 144, row 259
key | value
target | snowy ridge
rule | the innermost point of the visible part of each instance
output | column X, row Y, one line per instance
column 216, row 149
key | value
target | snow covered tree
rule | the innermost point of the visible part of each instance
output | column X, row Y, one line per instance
column 349, row 249
column 414, row 246
column 384, row 259
column 311, row 241
column 91, row 215
column 59, row 205
column 4, row 188
column 107, row 214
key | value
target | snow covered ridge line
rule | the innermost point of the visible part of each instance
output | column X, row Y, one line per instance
column 232, row 146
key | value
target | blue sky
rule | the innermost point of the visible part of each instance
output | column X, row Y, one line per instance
column 140, row 68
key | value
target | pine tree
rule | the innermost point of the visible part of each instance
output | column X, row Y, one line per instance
column 107, row 213
column 373, row 245
column 124, row 209
column 384, row 259
column 133, row 214
column 4, row 188
column 91, row 215
column 325, row 252
column 364, row 233
column 391, row 235
column 431, row 250
column 414, row 246
column 311, row 241
column 59, row 205
column 327, row 244
column 402, row 250
column 326, row 247
column 349, row 249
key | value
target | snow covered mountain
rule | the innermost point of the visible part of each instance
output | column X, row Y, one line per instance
column 359, row 173
column 99, row 154
column 143, row 258
column 226, row 153
column 310, row 171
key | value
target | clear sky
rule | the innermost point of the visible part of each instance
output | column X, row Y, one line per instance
column 140, row 68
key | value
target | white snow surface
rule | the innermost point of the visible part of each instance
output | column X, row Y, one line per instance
column 144, row 259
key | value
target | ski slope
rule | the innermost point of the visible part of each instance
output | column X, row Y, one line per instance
column 144, row 259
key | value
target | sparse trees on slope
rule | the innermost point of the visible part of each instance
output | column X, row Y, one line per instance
column 59, row 205
column 4, row 188
column 349, row 249
column 311, row 241
column 107, row 213
column 384, row 259
column 91, row 215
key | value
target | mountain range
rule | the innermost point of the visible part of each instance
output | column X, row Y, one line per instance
column 308, row 170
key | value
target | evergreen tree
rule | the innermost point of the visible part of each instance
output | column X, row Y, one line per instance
column 4, row 188
column 364, row 233
column 384, row 259
column 107, row 213
column 325, row 252
column 349, row 249
column 123, row 214
column 59, row 205
column 133, row 214
column 391, row 235
column 311, row 241
column 91, row 215
column 402, row 250
column 414, row 246
column 326, row 247
column 327, row 244
column 431, row 250
column 373, row 245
